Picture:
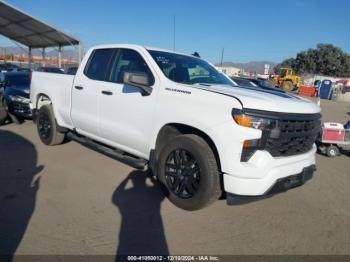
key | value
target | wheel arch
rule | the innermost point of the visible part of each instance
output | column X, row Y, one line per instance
column 42, row 99
column 168, row 131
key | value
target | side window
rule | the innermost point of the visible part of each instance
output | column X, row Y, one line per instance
column 129, row 61
column 97, row 66
column 198, row 72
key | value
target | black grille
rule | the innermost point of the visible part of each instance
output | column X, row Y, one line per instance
column 21, row 107
column 292, row 137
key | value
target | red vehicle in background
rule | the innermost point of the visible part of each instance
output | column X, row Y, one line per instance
column 333, row 137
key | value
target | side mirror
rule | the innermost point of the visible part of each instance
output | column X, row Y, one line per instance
column 139, row 80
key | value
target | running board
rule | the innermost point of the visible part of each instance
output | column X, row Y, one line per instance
column 119, row 155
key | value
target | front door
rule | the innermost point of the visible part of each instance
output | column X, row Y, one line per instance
column 126, row 114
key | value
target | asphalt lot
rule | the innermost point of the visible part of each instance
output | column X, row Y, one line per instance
column 71, row 200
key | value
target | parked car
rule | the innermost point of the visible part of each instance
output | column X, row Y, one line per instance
column 243, row 82
column 263, row 83
column 15, row 97
column 55, row 70
column 257, row 84
column 191, row 125
column 7, row 67
column 72, row 70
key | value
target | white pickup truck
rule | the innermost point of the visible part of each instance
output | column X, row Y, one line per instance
column 197, row 130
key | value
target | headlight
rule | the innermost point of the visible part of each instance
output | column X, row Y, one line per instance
column 251, row 121
column 20, row 99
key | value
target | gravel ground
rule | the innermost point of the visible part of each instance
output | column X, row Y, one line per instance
column 71, row 200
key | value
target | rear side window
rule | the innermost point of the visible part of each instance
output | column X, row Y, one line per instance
column 97, row 66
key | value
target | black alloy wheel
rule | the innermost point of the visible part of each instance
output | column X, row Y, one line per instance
column 44, row 125
column 182, row 173
column 188, row 172
column 47, row 127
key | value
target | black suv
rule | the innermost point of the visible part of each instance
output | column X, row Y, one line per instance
column 14, row 95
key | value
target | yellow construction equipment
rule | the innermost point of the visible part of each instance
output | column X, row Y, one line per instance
column 286, row 80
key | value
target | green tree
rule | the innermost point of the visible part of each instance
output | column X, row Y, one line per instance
column 326, row 59
column 286, row 63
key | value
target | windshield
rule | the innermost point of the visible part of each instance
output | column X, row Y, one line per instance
column 17, row 80
column 188, row 70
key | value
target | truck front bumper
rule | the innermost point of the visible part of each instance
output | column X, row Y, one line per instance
column 274, row 174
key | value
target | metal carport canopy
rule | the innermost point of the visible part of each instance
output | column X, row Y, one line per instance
column 29, row 31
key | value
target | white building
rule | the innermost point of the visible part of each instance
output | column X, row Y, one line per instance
column 229, row 70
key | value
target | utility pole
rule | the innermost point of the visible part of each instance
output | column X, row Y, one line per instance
column 43, row 56
column 174, row 32
column 30, row 57
column 80, row 52
column 59, row 56
column 222, row 57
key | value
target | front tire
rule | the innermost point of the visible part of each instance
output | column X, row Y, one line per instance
column 47, row 127
column 14, row 119
column 188, row 172
column 288, row 86
column 3, row 113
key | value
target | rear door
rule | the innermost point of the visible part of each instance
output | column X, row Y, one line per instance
column 86, row 91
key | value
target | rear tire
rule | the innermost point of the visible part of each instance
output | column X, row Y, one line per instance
column 188, row 172
column 332, row 151
column 47, row 127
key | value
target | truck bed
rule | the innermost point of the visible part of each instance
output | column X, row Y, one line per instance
column 58, row 88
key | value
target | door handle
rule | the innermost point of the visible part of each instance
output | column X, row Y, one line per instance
column 108, row 93
column 79, row 87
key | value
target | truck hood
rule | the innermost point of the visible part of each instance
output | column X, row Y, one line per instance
column 265, row 99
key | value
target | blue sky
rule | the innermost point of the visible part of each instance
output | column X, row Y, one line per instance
column 248, row 30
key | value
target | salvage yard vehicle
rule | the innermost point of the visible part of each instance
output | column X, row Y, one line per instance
column 255, row 82
column 6, row 67
column 72, row 70
column 198, row 132
column 262, row 82
column 333, row 138
column 51, row 69
column 243, row 82
column 15, row 97
column 286, row 80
